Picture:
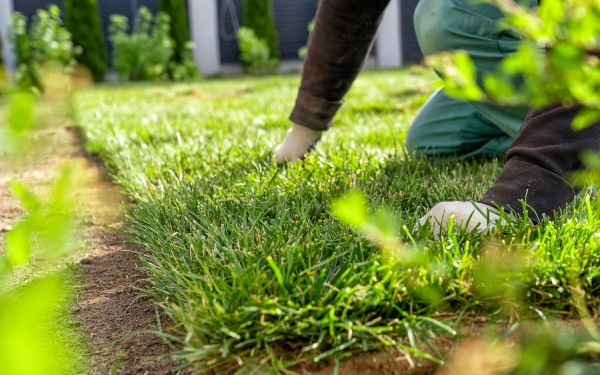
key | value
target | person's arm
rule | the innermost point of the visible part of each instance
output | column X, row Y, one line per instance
column 339, row 44
column 538, row 162
column 340, row 41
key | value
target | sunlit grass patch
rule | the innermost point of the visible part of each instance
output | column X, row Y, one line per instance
column 247, row 258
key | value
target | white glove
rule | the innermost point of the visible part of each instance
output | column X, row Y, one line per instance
column 470, row 216
column 297, row 142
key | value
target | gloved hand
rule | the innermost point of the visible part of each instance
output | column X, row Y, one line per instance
column 470, row 216
column 298, row 141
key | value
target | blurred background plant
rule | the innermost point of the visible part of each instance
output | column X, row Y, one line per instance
column 254, row 53
column 182, row 66
column 304, row 50
column 44, row 42
column 257, row 39
column 143, row 54
column 82, row 19
column 258, row 16
column 3, row 72
column 147, row 52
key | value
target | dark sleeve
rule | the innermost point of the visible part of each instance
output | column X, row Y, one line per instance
column 341, row 39
column 545, row 151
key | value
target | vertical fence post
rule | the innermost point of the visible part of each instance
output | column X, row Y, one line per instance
column 6, row 10
column 389, row 39
column 204, row 28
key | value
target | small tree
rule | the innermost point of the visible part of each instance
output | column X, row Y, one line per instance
column 180, row 30
column 254, row 53
column 82, row 19
column 145, row 52
column 258, row 16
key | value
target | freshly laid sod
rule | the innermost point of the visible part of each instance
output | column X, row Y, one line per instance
column 253, row 267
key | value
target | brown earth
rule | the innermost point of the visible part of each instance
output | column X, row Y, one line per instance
column 388, row 363
column 113, row 314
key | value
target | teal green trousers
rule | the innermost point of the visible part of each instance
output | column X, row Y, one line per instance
column 450, row 128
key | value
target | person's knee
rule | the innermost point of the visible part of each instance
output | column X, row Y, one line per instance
column 426, row 139
column 431, row 28
column 418, row 142
column 443, row 25
column 412, row 141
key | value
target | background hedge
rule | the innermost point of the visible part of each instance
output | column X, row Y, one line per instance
column 82, row 19
column 258, row 15
column 180, row 29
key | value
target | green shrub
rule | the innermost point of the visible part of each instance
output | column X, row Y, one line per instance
column 145, row 53
column 258, row 16
column 82, row 19
column 182, row 66
column 45, row 42
column 254, row 53
column 186, row 69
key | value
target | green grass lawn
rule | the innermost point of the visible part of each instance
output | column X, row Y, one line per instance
column 251, row 264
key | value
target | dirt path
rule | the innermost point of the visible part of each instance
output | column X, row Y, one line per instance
column 115, row 314
column 111, row 311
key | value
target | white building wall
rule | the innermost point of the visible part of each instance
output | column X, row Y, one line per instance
column 204, row 29
column 6, row 10
column 389, row 39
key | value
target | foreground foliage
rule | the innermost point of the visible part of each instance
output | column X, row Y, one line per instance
column 37, row 335
column 557, row 62
column 251, row 264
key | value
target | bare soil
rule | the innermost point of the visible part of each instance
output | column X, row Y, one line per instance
column 113, row 313
column 390, row 362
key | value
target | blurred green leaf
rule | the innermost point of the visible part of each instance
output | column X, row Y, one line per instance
column 20, row 121
column 27, row 345
column 351, row 209
column 18, row 244
column 25, row 196
column 51, row 221
column 590, row 174
column 589, row 347
column 585, row 118
column 20, row 113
